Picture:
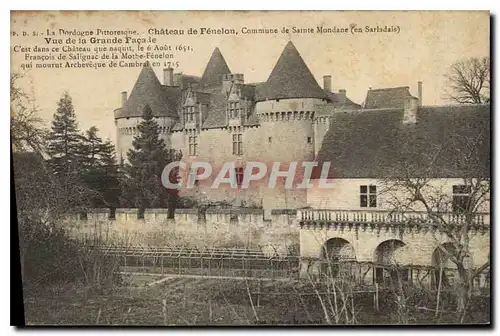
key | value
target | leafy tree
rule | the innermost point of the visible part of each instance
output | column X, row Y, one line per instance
column 99, row 169
column 469, row 81
column 110, row 175
column 42, row 199
column 64, row 138
column 142, row 186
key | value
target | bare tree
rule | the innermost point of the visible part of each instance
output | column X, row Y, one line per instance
column 412, row 189
column 469, row 81
column 27, row 132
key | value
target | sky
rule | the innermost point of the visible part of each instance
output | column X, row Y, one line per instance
column 427, row 44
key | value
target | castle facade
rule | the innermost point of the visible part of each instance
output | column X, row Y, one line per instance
column 219, row 118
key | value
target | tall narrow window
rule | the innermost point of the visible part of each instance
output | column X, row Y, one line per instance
column 190, row 112
column 239, row 176
column 234, row 109
column 237, row 144
column 193, row 145
column 368, row 196
column 461, row 198
column 193, row 174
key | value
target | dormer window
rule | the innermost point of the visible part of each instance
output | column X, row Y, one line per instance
column 234, row 109
column 190, row 112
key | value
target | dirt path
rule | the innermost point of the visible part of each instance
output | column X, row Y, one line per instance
column 173, row 276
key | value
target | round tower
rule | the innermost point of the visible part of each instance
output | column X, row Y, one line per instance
column 147, row 91
column 286, row 105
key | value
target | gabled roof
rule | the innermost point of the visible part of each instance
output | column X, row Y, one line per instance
column 387, row 97
column 376, row 143
column 148, row 91
column 215, row 69
column 218, row 103
column 290, row 78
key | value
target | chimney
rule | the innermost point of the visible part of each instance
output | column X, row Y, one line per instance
column 124, row 98
column 168, row 77
column 227, row 81
column 410, row 112
column 419, row 93
column 327, row 83
column 342, row 95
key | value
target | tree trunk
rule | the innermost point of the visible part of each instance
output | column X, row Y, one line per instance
column 464, row 291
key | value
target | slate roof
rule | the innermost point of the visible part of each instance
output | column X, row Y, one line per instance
column 387, row 97
column 216, row 111
column 340, row 101
column 203, row 98
column 189, row 80
column 148, row 91
column 290, row 78
column 376, row 143
column 214, row 71
column 248, row 91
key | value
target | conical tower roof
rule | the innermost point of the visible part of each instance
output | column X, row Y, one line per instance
column 148, row 91
column 291, row 78
column 215, row 69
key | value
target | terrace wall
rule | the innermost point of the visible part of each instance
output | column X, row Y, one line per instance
column 216, row 227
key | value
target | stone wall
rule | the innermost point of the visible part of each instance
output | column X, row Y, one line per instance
column 344, row 194
column 216, row 227
column 410, row 246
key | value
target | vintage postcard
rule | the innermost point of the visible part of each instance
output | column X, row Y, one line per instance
column 204, row 168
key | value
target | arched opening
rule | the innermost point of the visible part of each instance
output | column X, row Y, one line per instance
column 337, row 256
column 387, row 270
column 338, row 249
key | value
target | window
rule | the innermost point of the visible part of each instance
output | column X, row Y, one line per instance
column 270, row 139
column 368, row 196
column 309, row 140
column 140, row 213
column 193, row 174
column 190, row 113
column 237, row 144
column 461, row 198
column 112, row 213
column 234, row 109
column 239, row 176
column 193, row 145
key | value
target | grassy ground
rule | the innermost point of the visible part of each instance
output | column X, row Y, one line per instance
column 200, row 301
